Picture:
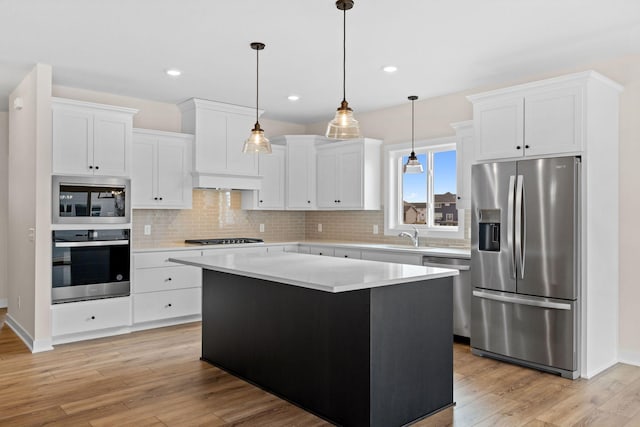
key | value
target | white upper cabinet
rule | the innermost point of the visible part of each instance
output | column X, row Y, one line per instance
column 542, row 118
column 464, row 160
column 220, row 131
column 300, row 169
column 91, row 139
column 161, row 175
column 348, row 175
column 272, row 192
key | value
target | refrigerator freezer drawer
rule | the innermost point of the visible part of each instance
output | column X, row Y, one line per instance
column 537, row 330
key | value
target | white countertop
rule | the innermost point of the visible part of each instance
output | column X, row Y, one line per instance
column 316, row 272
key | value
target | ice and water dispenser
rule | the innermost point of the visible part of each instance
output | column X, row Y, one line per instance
column 489, row 230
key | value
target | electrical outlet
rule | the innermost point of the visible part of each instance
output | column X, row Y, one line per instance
column 147, row 230
column 319, row 228
column 262, row 228
column 375, row 228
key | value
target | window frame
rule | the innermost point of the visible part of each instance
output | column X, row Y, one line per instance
column 393, row 154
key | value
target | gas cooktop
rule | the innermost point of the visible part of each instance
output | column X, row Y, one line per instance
column 224, row 241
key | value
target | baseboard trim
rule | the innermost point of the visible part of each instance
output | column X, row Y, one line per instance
column 34, row 346
column 629, row 357
column 4, row 303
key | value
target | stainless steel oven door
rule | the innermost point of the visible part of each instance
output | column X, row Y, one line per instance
column 89, row 269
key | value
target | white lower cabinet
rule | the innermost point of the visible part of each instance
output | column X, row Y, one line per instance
column 89, row 317
column 161, row 305
column 165, row 291
column 347, row 253
column 415, row 259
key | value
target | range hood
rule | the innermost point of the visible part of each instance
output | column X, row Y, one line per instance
column 219, row 131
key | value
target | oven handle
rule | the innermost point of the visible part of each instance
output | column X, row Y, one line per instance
column 92, row 243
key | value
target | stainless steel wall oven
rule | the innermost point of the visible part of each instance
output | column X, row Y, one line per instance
column 90, row 264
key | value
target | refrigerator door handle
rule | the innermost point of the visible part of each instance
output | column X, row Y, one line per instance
column 521, row 300
column 510, row 215
column 521, row 225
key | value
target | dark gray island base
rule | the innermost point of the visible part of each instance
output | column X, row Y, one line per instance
column 381, row 356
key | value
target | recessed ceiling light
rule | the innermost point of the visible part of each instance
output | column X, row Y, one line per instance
column 293, row 97
column 173, row 72
column 390, row 69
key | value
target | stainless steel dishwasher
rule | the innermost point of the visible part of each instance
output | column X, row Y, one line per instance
column 461, row 291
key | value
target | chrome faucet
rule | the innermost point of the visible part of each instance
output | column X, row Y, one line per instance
column 413, row 237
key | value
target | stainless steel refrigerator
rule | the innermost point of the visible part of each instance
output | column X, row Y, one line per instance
column 525, row 263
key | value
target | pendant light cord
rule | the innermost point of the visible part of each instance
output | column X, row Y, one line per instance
column 344, row 55
column 257, row 81
column 412, row 126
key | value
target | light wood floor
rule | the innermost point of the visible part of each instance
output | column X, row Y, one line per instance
column 156, row 378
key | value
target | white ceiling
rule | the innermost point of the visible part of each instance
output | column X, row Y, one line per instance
column 439, row 46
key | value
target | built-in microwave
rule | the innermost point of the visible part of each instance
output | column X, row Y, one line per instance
column 91, row 200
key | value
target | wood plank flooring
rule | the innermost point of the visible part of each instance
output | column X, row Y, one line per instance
column 155, row 378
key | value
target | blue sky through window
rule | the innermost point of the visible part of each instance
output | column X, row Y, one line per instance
column 414, row 186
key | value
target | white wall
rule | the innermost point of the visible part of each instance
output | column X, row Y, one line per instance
column 29, row 261
column 4, row 178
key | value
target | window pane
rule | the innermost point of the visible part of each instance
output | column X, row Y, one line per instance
column 414, row 194
column 444, row 188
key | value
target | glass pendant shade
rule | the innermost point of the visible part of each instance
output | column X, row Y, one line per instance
column 343, row 125
column 413, row 165
column 257, row 142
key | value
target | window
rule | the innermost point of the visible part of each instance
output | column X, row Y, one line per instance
column 427, row 200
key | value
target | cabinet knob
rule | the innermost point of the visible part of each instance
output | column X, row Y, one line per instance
column 319, row 253
column 169, row 279
column 97, row 167
column 526, row 146
column 338, row 201
column 155, row 198
column 459, row 197
column 518, row 147
column 169, row 305
column 160, row 198
column 93, row 317
column 90, row 167
column 346, row 256
column 308, row 201
column 260, row 201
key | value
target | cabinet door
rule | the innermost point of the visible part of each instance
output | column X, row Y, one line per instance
column 301, row 176
column 350, row 175
column 72, row 141
column 464, row 160
column 271, row 168
column 554, row 121
column 499, row 128
column 326, row 179
column 111, row 144
column 238, row 130
column 173, row 177
column 143, row 172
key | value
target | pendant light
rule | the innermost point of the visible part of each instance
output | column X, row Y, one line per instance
column 257, row 142
column 413, row 165
column 343, row 125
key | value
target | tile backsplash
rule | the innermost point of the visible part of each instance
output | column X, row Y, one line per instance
column 218, row 213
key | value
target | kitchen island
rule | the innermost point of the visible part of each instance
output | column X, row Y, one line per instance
column 359, row 343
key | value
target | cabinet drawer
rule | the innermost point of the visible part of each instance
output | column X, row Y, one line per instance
column 414, row 259
column 159, row 259
column 166, row 278
column 166, row 304
column 88, row 316
column 347, row 253
column 318, row 250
